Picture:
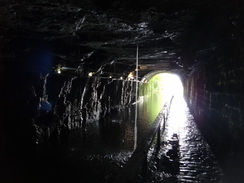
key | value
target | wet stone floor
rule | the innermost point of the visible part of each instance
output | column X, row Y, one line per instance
column 183, row 156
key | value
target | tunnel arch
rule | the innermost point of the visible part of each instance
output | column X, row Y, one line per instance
column 151, row 74
column 167, row 75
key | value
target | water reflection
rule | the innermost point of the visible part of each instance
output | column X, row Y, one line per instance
column 97, row 153
column 148, row 110
column 150, row 107
column 196, row 161
column 178, row 117
column 115, row 133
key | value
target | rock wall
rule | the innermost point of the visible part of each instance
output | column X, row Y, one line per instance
column 214, row 83
column 39, row 106
column 214, row 93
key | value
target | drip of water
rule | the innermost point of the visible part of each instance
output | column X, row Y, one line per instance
column 83, row 93
column 45, row 84
column 94, row 100
column 122, row 98
column 44, row 104
column 135, row 128
column 104, row 110
column 89, row 104
column 126, row 96
column 130, row 92
column 64, row 103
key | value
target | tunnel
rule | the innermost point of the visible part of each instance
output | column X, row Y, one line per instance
column 83, row 91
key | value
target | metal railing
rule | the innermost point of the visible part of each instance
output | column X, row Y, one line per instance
column 138, row 160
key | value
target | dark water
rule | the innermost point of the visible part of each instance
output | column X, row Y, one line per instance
column 98, row 153
column 196, row 162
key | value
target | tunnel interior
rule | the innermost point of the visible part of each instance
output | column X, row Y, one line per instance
column 166, row 83
column 67, row 66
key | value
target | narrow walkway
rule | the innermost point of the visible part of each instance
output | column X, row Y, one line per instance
column 196, row 162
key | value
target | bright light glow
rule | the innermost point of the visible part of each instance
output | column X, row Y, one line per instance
column 121, row 77
column 130, row 76
column 59, row 71
column 160, row 89
column 166, row 84
column 110, row 76
column 90, row 74
column 171, row 85
column 177, row 119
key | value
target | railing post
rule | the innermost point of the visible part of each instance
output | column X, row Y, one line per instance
column 158, row 138
column 138, row 160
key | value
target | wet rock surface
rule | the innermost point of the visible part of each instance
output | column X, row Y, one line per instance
column 47, row 47
column 187, row 158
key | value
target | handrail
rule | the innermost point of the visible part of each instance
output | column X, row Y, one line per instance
column 130, row 171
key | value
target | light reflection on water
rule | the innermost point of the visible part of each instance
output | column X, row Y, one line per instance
column 115, row 134
column 148, row 111
column 98, row 153
column 196, row 161
column 178, row 117
column 150, row 107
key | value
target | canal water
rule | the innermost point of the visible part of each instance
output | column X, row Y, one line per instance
column 98, row 153
column 195, row 162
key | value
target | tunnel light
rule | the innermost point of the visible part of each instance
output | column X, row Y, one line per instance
column 59, row 71
column 130, row 76
column 167, row 84
column 90, row 74
column 170, row 85
column 110, row 77
column 121, row 78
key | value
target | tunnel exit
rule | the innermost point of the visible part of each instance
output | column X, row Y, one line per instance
column 194, row 156
column 166, row 83
column 157, row 91
column 162, row 95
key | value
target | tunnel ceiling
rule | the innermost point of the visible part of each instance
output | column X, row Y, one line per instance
column 102, row 36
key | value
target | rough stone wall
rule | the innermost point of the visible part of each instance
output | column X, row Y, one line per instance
column 38, row 106
column 214, row 86
column 215, row 95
